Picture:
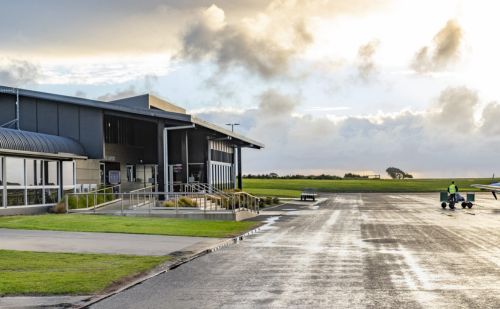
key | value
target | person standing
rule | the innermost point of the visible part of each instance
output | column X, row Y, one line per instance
column 452, row 190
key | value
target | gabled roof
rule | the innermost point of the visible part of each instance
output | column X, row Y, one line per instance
column 32, row 143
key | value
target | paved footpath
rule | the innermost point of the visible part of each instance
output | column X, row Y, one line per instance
column 353, row 251
column 110, row 243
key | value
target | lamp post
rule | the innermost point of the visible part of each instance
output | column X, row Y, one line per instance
column 232, row 125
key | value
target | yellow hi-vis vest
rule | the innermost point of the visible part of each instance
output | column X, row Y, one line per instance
column 452, row 189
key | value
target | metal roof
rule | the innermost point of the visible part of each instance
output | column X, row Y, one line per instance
column 132, row 110
column 95, row 104
column 250, row 143
column 39, row 143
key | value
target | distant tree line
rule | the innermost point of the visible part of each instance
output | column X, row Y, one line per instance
column 298, row 176
column 393, row 172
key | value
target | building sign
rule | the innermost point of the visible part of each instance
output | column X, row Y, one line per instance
column 114, row 177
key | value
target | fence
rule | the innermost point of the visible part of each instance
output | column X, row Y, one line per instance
column 146, row 200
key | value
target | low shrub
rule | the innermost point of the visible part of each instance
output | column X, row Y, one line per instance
column 276, row 200
column 261, row 203
column 169, row 204
column 59, row 208
column 268, row 200
column 187, row 202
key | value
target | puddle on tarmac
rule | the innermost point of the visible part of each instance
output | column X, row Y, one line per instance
column 269, row 222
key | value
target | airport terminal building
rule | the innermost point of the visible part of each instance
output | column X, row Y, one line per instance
column 51, row 144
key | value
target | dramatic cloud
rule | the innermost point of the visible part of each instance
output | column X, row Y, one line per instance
column 444, row 50
column 16, row 73
column 366, row 64
column 243, row 44
column 119, row 94
column 440, row 140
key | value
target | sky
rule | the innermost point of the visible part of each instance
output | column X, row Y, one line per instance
column 329, row 86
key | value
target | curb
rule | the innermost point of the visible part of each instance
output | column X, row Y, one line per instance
column 180, row 261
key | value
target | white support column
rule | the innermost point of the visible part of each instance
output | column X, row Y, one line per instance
column 209, row 164
column 4, row 181
column 165, row 160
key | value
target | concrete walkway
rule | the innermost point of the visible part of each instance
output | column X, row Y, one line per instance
column 110, row 243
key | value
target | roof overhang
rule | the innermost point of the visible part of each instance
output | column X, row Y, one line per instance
column 238, row 139
column 32, row 154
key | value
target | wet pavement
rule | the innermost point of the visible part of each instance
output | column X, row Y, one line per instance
column 350, row 251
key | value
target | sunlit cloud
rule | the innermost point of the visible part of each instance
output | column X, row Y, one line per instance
column 96, row 71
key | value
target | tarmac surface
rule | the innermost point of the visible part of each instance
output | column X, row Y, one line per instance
column 350, row 251
column 83, row 242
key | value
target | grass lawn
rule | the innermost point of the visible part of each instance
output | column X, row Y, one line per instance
column 133, row 225
column 41, row 273
column 293, row 187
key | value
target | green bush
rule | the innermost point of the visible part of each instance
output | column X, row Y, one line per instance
column 187, row 202
column 261, row 203
column 169, row 204
column 268, row 200
column 276, row 200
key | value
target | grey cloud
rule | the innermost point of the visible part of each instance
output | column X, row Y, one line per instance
column 366, row 64
column 118, row 94
column 491, row 119
column 456, row 106
column 273, row 103
column 419, row 142
column 233, row 45
column 443, row 51
column 16, row 73
column 81, row 94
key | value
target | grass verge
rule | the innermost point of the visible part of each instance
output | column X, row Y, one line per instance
column 293, row 187
column 133, row 225
column 43, row 273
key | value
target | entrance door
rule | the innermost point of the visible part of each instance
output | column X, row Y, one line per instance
column 175, row 174
column 131, row 173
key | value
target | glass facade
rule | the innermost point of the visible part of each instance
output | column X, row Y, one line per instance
column 28, row 181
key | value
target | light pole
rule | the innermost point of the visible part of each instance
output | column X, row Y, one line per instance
column 232, row 125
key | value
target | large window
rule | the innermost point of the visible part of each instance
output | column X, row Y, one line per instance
column 1, row 175
column 34, row 172
column 51, row 174
column 15, row 171
column 33, row 181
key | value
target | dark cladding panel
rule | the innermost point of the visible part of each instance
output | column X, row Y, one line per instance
column 47, row 117
column 198, row 145
column 69, row 124
column 27, row 111
column 7, row 107
column 91, row 132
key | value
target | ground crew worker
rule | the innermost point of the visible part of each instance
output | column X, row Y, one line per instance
column 452, row 190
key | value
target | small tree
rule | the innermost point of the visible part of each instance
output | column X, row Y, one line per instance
column 396, row 173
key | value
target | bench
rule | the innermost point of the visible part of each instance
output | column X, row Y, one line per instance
column 308, row 193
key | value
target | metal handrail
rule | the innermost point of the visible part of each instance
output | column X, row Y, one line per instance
column 102, row 189
column 237, row 202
